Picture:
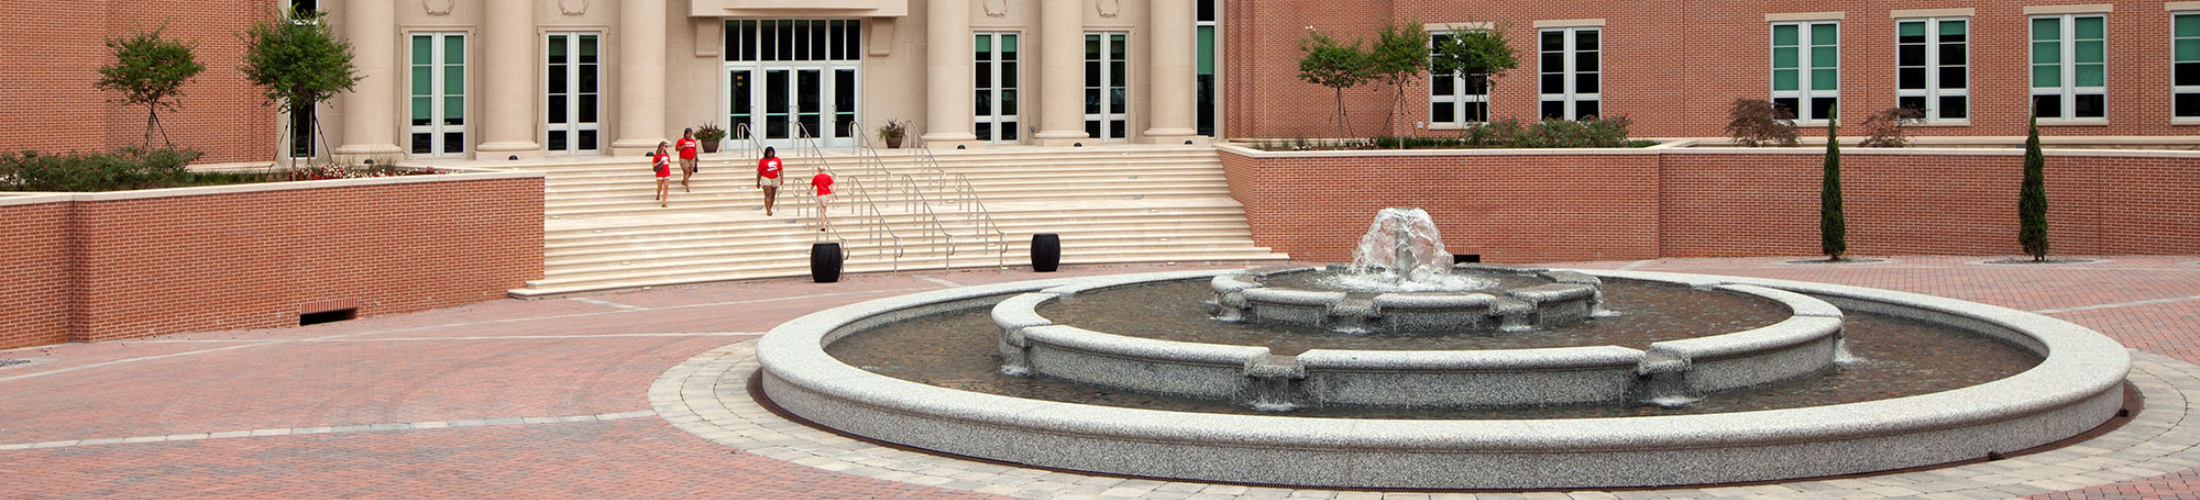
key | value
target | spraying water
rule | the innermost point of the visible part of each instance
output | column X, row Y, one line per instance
column 1402, row 252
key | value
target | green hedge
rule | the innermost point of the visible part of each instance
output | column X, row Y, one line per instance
column 1588, row 132
column 124, row 169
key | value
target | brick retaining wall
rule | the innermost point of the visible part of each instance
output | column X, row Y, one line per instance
column 170, row 261
column 1542, row 206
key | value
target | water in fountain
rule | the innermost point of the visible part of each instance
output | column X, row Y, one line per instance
column 1402, row 252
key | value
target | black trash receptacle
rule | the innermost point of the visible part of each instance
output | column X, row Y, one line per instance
column 825, row 262
column 1046, row 252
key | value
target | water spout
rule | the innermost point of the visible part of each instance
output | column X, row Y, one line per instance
column 1402, row 252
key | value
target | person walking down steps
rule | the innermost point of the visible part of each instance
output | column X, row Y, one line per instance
column 662, row 162
column 821, row 186
column 688, row 159
column 767, row 178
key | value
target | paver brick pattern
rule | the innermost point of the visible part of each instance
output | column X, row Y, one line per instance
column 503, row 362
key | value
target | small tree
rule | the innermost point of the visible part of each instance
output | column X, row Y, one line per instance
column 2032, row 199
column 1480, row 55
column 1833, row 227
column 299, row 61
column 1756, row 122
column 1884, row 130
column 1400, row 56
column 1326, row 62
column 149, row 70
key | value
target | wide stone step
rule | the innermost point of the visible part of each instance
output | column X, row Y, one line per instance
column 798, row 266
column 1163, row 228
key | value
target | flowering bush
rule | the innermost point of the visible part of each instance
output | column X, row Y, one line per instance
column 326, row 172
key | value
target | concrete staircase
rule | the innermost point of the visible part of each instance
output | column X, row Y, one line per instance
column 1118, row 204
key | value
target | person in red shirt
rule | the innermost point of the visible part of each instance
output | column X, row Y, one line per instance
column 821, row 186
column 767, row 178
column 662, row 161
column 687, row 146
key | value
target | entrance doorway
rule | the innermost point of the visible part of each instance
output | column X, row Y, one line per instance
column 793, row 78
column 1107, row 83
column 572, row 107
column 995, row 104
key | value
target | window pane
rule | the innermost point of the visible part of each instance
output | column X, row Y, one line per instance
column 1554, row 110
column 2092, row 75
column 454, row 111
column 1910, row 55
column 1953, row 31
column 1092, row 73
column 2047, row 106
column 1445, row 85
column 422, row 111
column 588, row 49
column 557, row 78
column 1916, row 102
column 557, row 49
column 1910, row 32
column 2089, row 52
column 1554, row 83
column 984, row 131
column 1008, row 102
column 422, row 80
column 423, row 49
column 1910, row 78
column 1585, row 61
column 2092, row 106
column 2188, row 25
column 2046, row 76
column 982, row 103
column 454, row 142
column 1785, row 57
column 1784, row 80
column 1953, row 77
column 1825, row 57
column 1825, row 79
column 1583, row 109
column 1786, row 106
column 2188, row 74
column 2046, row 53
column 588, row 108
column 454, row 79
column 557, row 140
column 1822, row 107
column 1118, row 74
column 423, row 144
column 1585, row 40
column 1955, row 107
column 2188, row 50
column 2090, row 28
column 1092, row 128
column 1118, row 129
column 1092, row 101
column 1554, row 40
column 1117, row 101
column 588, row 78
column 1824, row 34
column 1785, row 35
column 1585, row 83
column 454, row 50
column 588, row 140
column 2046, row 28
column 1443, row 112
column 1008, row 131
column 1953, row 54
column 2188, row 105
column 557, row 109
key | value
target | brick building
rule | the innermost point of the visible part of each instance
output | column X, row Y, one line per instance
column 2113, row 69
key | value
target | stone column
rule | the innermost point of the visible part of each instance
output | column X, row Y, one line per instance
column 948, row 82
column 1169, row 59
column 371, row 108
column 1061, row 73
column 508, row 89
column 641, row 42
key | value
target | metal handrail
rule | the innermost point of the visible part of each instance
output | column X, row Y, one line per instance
column 934, row 230
column 965, row 197
column 866, row 213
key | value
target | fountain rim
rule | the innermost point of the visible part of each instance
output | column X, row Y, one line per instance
column 2080, row 363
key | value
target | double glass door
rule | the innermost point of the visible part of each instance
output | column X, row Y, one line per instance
column 573, row 99
column 791, row 79
column 1107, row 83
column 995, row 104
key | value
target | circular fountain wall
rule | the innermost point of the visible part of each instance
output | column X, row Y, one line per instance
column 2074, row 388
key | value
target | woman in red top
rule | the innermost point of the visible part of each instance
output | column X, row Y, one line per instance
column 662, row 160
column 688, row 160
column 821, row 186
column 767, row 178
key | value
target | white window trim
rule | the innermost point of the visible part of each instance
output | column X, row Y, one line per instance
column 1568, row 55
column 1105, row 117
column 999, row 88
column 1803, row 92
column 1932, row 91
column 1459, row 101
column 2175, row 89
column 573, row 96
column 435, row 128
column 2069, row 69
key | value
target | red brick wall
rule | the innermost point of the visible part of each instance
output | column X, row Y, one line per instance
column 1706, row 203
column 34, row 274
column 1508, row 208
column 153, row 266
column 51, row 51
column 1675, row 66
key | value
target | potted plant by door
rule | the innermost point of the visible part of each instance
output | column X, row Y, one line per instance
column 892, row 132
column 710, row 135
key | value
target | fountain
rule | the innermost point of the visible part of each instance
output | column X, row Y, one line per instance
column 1444, row 376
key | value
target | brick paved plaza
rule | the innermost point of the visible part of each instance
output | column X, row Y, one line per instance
column 591, row 397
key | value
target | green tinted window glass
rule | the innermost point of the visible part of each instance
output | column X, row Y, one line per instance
column 1206, row 52
column 1784, row 79
column 557, row 49
column 2047, row 75
column 2091, row 28
column 1785, row 57
column 2089, row 52
column 1825, row 34
column 454, row 110
column 422, row 78
column 1784, row 36
column 2046, row 28
column 2188, row 50
column 1825, row 57
column 2092, row 75
column 1008, row 43
column 984, row 43
column 421, row 109
column 454, row 50
column 2046, row 53
column 588, row 48
column 1825, row 79
column 1911, row 28
column 1957, row 28
column 2188, row 25
column 454, row 80
column 423, row 49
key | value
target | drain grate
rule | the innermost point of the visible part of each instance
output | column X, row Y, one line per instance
column 4, row 362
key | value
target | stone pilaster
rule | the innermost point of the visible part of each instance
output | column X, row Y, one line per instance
column 509, row 90
column 948, row 86
column 1061, row 73
column 370, row 108
column 1170, row 42
column 641, row 62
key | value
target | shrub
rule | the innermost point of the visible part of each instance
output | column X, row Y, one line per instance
column 130, row 167
column 1756, row 122
column 1884, row 130
column 1588, row 132
column 1833, row 225
column 2032, row 197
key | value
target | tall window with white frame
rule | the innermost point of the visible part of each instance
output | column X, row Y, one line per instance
column 572, row 101
column 301, row 121
column 1107, row 85
column 438, row 103
column 1570, row 67
column 996, row 78
column 1806, row 69
column 1932, row 68
column 2185, row 84
column 1457, row 98
column 2070, row 67
column 1204, row 93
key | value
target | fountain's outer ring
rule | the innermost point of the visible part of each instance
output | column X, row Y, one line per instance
column 2077, row 387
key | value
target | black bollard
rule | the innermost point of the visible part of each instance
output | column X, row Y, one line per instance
column 825, row 262
column 1046, row 252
